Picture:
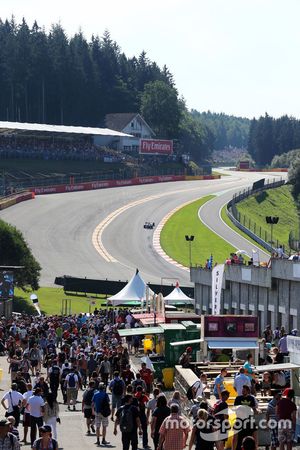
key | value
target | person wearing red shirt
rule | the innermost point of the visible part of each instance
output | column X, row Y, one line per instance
column 286, row 413
column 142, row 402
column 147, row 376
column 127, row 375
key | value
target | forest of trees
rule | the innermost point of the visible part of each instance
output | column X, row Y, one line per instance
column 228, row 131
column 269, row 137
column 51, row 78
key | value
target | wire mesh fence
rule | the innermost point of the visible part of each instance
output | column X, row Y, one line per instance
column 248, row 223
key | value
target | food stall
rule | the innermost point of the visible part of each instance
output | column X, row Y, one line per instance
column 225, row 338
column 158, row 339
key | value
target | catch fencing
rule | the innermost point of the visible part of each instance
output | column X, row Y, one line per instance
column 258, row 233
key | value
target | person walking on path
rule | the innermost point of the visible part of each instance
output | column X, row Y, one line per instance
column 147, row 376
column 174, row 431
column 127, row 418
column 51, row 413
column 45, row 441
column 104, row 370
column 271, row 415
column 101, row 408
column 142, row 399
column 286, row 411
column 7, row 440
column 202, row 427
column 72, row 386
column 36, row 407
column 26, row 416
column 14, row 401
column 87, row 410
column 117, row 388
column 158, row 416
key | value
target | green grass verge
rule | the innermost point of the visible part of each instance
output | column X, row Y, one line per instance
column 273, row 202
column 50, row 300
column 244, row 235
column 186, row 222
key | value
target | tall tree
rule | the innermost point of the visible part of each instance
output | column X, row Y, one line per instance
column 160, row 107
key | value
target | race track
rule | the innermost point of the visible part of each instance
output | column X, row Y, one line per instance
column 59, row 227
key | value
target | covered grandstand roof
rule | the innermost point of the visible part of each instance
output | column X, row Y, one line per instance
column 27, row 128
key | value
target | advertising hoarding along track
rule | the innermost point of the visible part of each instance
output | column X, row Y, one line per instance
column 56, row 189
column 155, row 147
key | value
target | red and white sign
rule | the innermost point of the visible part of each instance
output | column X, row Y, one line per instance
column 156, row 147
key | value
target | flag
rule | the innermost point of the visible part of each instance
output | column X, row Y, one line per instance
column 216, row 288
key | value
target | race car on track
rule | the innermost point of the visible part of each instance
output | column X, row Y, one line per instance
column 149, row 225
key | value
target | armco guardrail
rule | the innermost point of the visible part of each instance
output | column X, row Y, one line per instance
column 109, row 287
column 233, row 213
column 117, row 183
column 13, row 199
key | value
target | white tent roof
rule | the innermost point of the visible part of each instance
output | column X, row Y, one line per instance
column 134, row 291
column 177, row 296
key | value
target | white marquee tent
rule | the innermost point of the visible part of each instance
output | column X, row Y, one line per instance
column 177, row 296
column 133, row 292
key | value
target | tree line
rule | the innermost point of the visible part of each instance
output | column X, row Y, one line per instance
column 51, row 78
column 228, row 131
column 269, row 137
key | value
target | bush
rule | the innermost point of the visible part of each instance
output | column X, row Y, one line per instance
column 14, row 251
column 22, row 306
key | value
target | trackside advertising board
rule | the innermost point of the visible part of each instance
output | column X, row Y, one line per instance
column 156, row 147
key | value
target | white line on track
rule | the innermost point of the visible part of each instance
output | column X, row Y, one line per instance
column 225, row 224
column 98, row 232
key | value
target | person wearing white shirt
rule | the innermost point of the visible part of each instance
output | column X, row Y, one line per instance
column 14, row 401
column 36, row 408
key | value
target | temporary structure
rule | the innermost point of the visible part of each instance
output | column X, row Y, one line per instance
column 177, row 296
column 134, row 292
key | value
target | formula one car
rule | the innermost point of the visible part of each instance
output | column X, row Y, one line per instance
column 149, row 225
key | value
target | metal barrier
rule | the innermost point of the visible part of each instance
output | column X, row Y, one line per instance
column 109, row 287
column 235, row 216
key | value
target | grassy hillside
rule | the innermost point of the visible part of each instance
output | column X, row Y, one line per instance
column 50, row 300
column 186, row 222
column 274, row 202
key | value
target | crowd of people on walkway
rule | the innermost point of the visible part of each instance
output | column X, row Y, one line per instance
column 80, row 363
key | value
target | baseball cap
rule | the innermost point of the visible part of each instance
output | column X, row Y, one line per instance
column 4, row 423
column 45, row 429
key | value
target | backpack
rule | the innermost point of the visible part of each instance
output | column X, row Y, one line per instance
column 65, row 372
column 126, row 420
column 118, row 387
column 190, row 393
column 183, row 359
column 54, row 375
column 71, row 380
column 38, row 443
column 88, row 396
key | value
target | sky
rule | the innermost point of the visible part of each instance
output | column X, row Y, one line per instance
column 239, row 57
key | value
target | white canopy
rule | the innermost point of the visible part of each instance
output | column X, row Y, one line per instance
column 134, row 291
column 177, row 296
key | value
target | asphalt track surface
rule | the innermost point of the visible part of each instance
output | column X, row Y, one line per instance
column 59, row 227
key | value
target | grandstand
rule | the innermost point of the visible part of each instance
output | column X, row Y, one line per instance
column 43, row 155
column 40, row 151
